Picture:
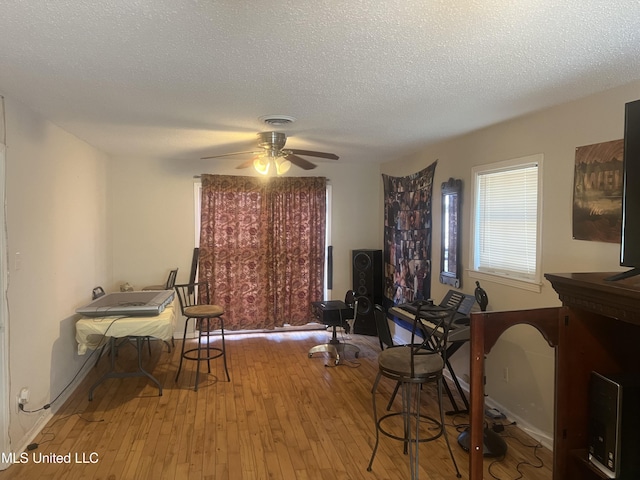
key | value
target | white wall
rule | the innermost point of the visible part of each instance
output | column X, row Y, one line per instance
column 556, row 132
column 152, row 214
column 56, row 222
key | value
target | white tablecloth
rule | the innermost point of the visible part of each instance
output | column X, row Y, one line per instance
column 92, row 332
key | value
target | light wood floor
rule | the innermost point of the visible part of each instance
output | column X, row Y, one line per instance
column 282, row 416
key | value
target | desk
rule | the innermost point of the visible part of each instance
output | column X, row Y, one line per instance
column 92, row 333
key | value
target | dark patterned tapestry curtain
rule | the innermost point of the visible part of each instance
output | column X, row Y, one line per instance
column 407, row 236
column 262, row 248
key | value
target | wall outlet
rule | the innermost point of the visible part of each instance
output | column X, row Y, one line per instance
column 23, row 396
column 505, row 374
column 21, row 399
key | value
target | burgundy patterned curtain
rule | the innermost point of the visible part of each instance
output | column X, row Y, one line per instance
column 262, row 248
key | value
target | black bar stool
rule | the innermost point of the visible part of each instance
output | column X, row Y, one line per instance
column 411, row 366
column 195, row 304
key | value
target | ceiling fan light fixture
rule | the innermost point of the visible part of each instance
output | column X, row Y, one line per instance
column 277, row 120
column 282, row 165
column 261, row 165
column 269, row 165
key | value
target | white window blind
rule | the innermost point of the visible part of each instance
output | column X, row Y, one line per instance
column 506, row 220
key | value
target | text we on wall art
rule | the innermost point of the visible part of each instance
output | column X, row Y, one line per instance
column 597, row 192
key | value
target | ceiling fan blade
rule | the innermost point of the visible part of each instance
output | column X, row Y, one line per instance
column 300, row 162
column 246, row 164
column 311, row 153
column 229, row 155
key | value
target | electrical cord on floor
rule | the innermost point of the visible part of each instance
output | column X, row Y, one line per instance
column 345, row 362
column 34, row 445
column 523, row 463
column 499, row 427
column 460, row 427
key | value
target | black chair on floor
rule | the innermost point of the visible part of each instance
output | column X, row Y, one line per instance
column 419, row 363
column 334, row 314
column 195, row 303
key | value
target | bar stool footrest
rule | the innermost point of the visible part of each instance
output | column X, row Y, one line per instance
column 218, row 353
column 423, row 417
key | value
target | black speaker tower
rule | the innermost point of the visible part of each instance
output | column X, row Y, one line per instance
column 367, row 286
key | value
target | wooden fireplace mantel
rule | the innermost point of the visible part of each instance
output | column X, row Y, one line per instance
column 597, row 328
column 591, row 292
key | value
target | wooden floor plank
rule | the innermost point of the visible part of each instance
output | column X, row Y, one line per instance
column 282, row 416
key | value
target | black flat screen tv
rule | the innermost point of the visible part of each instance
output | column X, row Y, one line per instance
column 630, row 241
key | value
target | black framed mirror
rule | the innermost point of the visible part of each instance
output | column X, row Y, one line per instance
column 450, row 272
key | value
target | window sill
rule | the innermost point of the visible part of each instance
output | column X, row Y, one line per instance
column 531, row 286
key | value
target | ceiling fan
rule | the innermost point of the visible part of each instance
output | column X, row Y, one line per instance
column 272, row 155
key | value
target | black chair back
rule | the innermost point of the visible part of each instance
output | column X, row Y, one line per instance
column 434, row 336
column 349, row 298
column 190, row 294
column 171, row 280
column 97, row 293
column 194, row 265
column 382, row 325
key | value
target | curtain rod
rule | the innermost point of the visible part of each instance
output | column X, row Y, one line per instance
column 200, row 176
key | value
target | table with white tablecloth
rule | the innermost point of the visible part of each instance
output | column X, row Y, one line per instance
column 94, row 332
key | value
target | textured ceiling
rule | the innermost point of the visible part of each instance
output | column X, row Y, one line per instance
column 368, row 80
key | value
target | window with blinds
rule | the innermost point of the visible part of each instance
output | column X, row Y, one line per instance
column 506, row 220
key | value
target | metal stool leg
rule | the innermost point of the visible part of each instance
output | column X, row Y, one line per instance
column 393, row 395
column 208, row 345
column 412, row 446
column 444, row 429
column 224, row 349
column 375, row 420
column 184, row 340
column 199, row 357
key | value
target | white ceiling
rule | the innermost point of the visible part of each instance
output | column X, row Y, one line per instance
column 369, row 80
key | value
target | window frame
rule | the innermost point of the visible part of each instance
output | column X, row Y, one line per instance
column 534, row 284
